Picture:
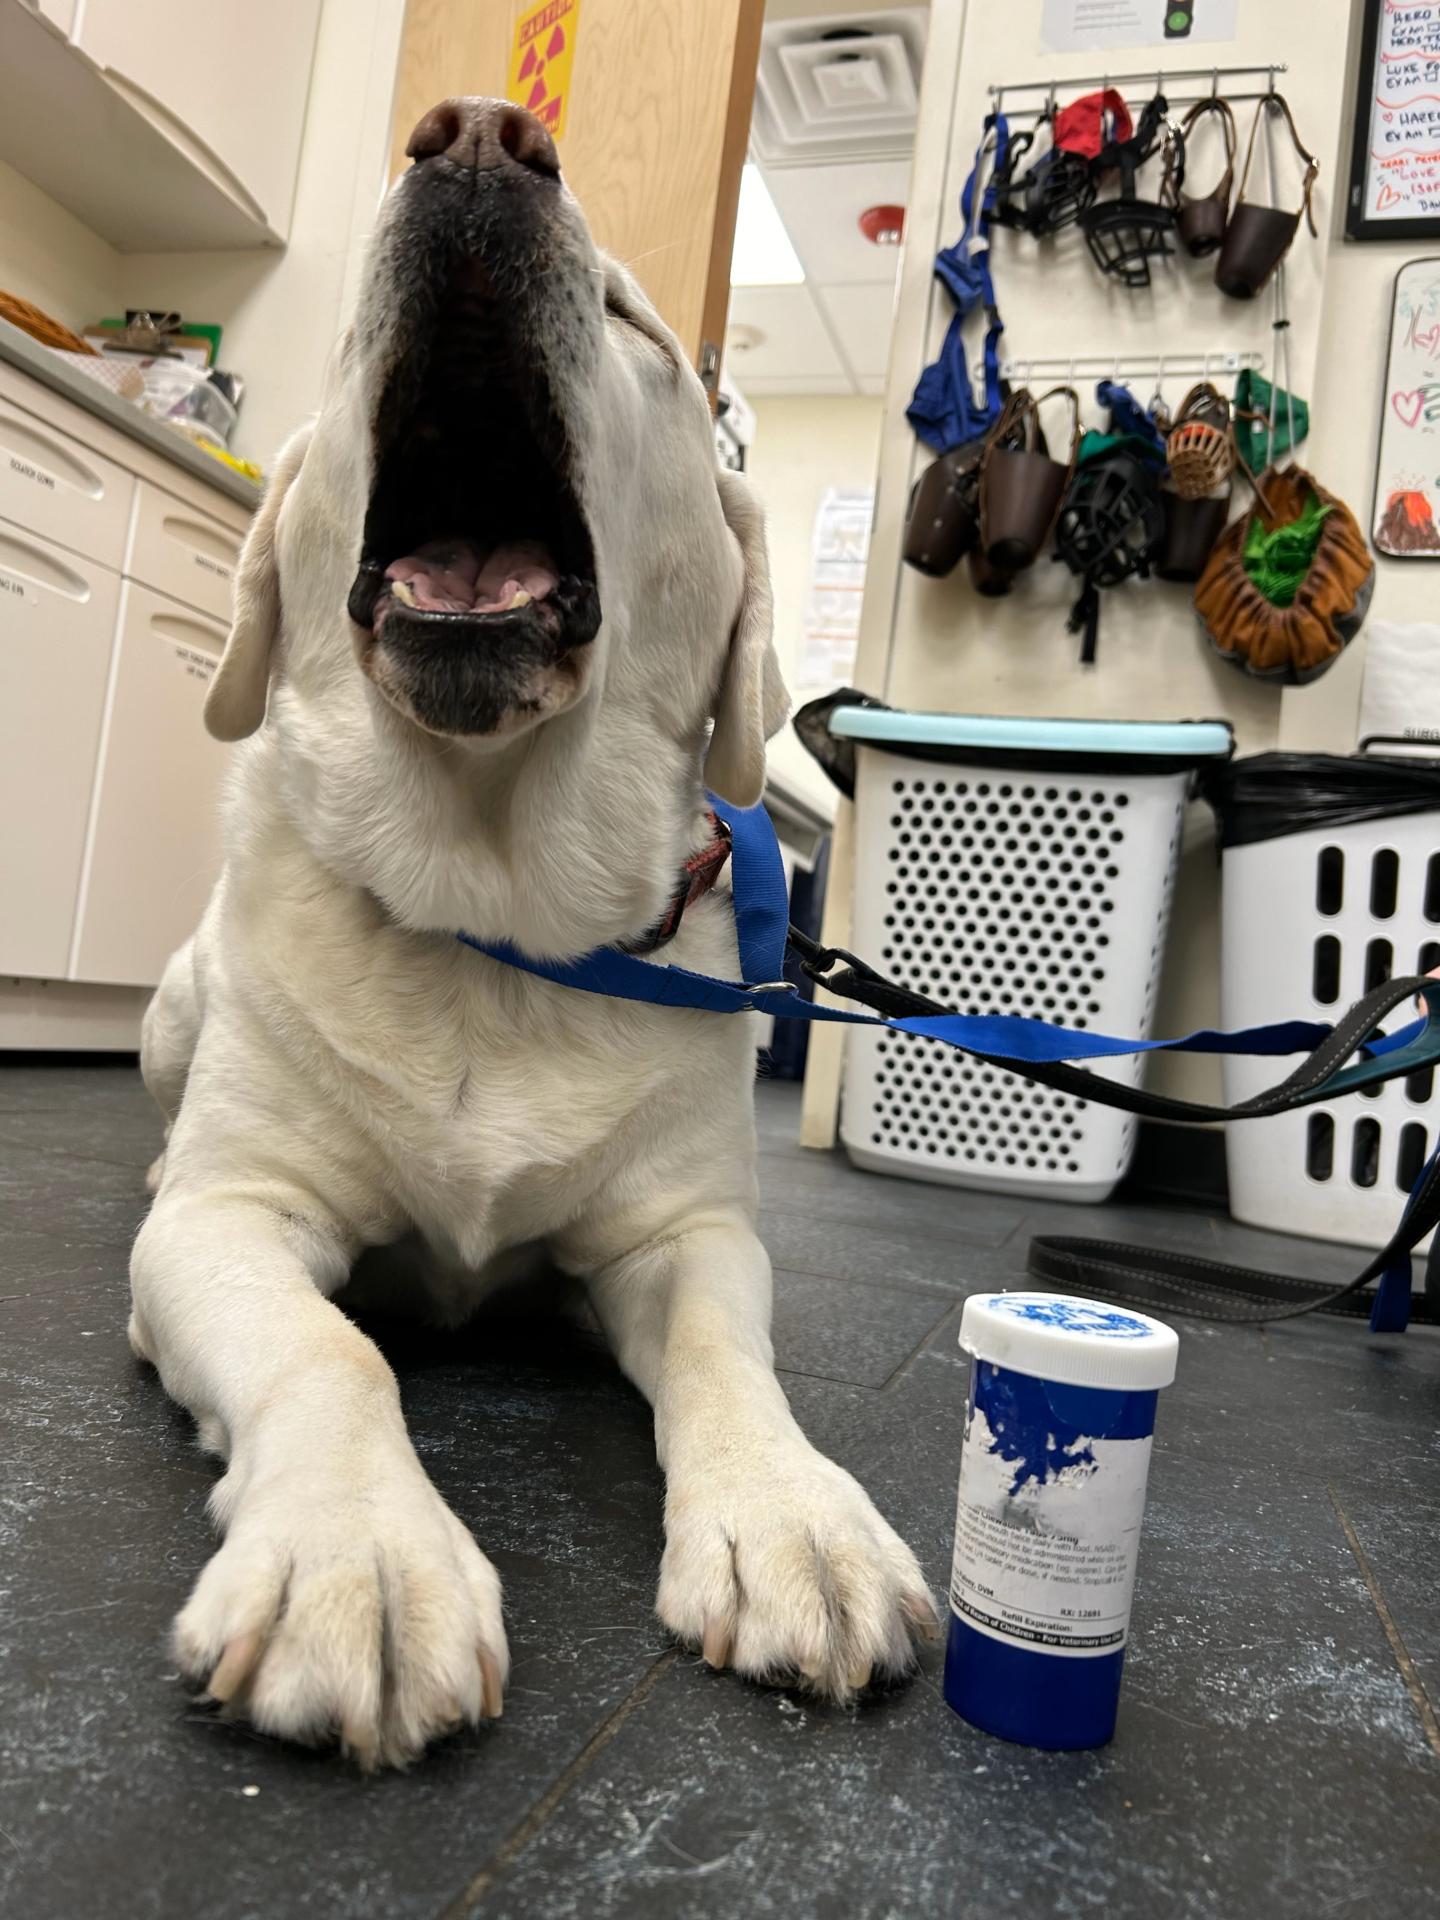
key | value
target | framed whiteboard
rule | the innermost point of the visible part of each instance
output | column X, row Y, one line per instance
column 1395, row 162
column 1405, row 521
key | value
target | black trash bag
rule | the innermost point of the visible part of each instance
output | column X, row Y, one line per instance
column 1269, row 795
column 834, row 757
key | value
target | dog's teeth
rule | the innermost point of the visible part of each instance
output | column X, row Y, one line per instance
column 520, row 598
column 401, row 590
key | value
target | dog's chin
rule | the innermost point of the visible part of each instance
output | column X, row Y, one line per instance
column 481, row 679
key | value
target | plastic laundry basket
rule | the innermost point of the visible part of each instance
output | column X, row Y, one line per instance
column 1009, row 866
column 1312, row 920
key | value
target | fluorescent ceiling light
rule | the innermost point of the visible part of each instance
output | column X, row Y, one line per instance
column 763, row 255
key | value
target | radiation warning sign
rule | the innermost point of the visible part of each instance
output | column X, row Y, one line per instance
column 542, row 58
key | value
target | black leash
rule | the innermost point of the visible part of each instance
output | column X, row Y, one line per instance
column 1186, row 1283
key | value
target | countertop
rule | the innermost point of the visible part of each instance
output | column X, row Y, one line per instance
column 30, row 357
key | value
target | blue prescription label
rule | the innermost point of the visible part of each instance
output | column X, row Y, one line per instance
column 1047, row 1527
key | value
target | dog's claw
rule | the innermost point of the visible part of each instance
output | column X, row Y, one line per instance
column 358, row 1743
column 492, row 1693
column 919, row 1610
column 716, row 1645
column 859, row 1676
column 235, row 1666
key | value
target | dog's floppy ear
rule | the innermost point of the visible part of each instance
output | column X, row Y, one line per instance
column 235, row 704
column 752, row 702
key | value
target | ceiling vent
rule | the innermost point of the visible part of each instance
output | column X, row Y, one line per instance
column 839, row 88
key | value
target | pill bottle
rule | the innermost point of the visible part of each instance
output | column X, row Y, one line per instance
column 1053, row 1469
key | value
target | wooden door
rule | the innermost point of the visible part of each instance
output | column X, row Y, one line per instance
column 656, row 119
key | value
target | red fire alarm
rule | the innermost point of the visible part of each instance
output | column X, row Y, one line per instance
column 884, row 226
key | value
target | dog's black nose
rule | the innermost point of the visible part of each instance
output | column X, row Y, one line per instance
column 476, row 132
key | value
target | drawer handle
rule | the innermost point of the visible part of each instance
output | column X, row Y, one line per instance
column 173, row 626
column 35, row 563
column 207, row 546
column 35, row 456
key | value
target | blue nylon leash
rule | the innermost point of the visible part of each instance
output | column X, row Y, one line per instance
column 1033, row 1048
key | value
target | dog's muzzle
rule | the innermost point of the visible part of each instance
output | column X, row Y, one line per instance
column 477, row 581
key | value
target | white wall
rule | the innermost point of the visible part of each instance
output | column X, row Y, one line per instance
column 49, row 258
column 936, row 644
column 804, row 443
column 945, row 646
column 1349, row 397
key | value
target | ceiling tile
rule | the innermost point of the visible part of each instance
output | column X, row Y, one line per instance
column 821, row 206
column 793, row 344
column 861, row 318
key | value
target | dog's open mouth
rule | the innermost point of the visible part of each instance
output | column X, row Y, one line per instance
column 456, row 576
column 477, row 576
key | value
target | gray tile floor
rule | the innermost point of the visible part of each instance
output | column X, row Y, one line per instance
column 1278, row 1751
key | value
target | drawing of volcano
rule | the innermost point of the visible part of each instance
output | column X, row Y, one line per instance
column 1408, row 525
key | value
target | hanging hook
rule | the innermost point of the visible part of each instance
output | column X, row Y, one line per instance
column 1271, row 94
column 1051, row 101
column 1215, row 83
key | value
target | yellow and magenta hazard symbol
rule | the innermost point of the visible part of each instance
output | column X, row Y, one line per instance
column 542, row 58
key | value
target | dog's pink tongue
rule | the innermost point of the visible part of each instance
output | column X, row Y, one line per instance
column 452, row 576
column 524, row 567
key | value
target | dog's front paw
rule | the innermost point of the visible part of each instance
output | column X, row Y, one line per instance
column 783, row 1569
column 352, row 1607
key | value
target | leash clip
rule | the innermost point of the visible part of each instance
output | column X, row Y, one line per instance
column 816, row 961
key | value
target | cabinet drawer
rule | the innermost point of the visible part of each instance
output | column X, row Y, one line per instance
column 183, row 552
column 55, row 486
column 57, row 624
column 155, row 846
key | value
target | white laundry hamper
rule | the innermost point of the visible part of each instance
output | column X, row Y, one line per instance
column 1311, row 921
column 1009, row 866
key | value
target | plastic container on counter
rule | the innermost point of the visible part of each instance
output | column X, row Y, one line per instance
column 1053, row 1470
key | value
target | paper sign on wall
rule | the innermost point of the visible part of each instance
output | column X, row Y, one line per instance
column 541, row 60
column 1400, row 693
column 839, row 549
column 1407, row 472
column 1402, row 180
column 1084, row 26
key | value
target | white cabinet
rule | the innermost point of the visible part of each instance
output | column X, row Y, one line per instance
column 226, row 84
column 57, row 621
column 164, row 129
column 183, row 551
column 115, row 578
column 60, row 14
column 154, row 850
column 53, row 485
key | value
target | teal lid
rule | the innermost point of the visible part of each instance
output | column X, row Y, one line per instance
column 1188, row 741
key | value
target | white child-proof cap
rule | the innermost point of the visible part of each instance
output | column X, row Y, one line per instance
column 1071, row 1340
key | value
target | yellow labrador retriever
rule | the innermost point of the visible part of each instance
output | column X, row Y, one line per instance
column 495, row 598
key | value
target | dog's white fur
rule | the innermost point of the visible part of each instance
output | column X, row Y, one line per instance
column 338, row 1070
